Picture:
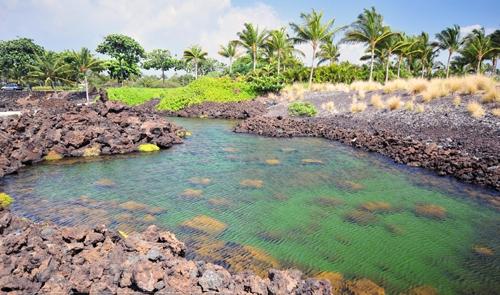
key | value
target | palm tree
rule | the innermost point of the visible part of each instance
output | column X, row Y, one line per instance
column 195, row 55
column 390, row 45
column 427, row 52
column 449, row 39
column 279, row 44
column 251, row 39
column 368, row 28
column 230, row 51
column 50, row 68
column 479, row 45
column 83, row 63
column 406, row 49
column 314, row 31
column 495, row 40
column 328, row 52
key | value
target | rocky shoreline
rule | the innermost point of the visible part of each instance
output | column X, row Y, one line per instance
column 230, row 110
column 46, row 259
column 446, row 157
column 68, row 130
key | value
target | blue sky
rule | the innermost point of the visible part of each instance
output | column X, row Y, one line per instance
column 177, row 24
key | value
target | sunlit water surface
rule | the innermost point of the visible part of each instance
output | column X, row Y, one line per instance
column 244, row 201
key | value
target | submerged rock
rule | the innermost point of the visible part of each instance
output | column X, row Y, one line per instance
column 362, row 287
column 312, row 161
column 105, row 182
column 272, row 162
column 430, row 211
column 252, row 183
column 423, row 290
column 192, row 193
column 200, row 180
column 361, row 217
column 133, row 206
column 205, row 224
column 53, row 156
column 483, row 250
column 376, row 206
column 230, row 150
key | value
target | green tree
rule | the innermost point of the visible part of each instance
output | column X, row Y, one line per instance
column 159, row 59
column 328, row 52
column 252, row 40
column 50, row 68
column 478, row 45
column 390, row 45
column 495, row 41
column 125, row 50
column 312, row 30
column 449, row 39
column 83, row 63
column 427, row 52
column 230, row 52
column 17, row 56
column 195, row 55
column 368, row 28
column 279, row 45
column 406, row 49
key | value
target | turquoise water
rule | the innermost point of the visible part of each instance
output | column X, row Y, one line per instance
column 244, row 201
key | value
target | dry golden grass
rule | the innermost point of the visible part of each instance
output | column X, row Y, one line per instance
column 454, row 84
column 358, row 107
column 395, row 85
column 362, row 94
column 409, row 105
column 394, row 103
column 457, row 101
column 475, row 110
column 420, row 108
column 376, row 101
column 496, row 112
column 417, row 85
column 293, row 92
column 491, row 96
column 328, row 106
column 365, row 86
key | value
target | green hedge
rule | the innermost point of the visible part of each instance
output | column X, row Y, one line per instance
column 198, row 91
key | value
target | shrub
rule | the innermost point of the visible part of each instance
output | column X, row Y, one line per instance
column 198, row 91
column 358, row 107
column 266, row 84
column 301, row 109
column 5, row 200
column 376, row 101
column 496, row 112
column 475, row 109
column 394, row 103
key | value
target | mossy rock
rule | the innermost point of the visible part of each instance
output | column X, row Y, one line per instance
column 148, row 147
column 5, row 200
column 53, row 156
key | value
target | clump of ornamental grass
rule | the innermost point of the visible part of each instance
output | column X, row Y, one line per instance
column 376, row 101
column 475, row 110
column 457, row 101
column 293, row 92
column 365, row 85
column 454, row 84
column 420, row 108
column 395, row 85
column 394, row 103
column 358, row 107
column 409, row 105
column 328, row 106
column 496, row 112
column 491, row 96
column 417, row 85
column 361, row 94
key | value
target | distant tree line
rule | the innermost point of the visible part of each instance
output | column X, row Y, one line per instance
column 268, row 54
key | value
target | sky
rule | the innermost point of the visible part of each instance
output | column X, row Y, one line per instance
column 177, row 24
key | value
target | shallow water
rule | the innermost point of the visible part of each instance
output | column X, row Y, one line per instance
column 244, row 201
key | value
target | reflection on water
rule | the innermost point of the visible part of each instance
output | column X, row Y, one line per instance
column 251, row 202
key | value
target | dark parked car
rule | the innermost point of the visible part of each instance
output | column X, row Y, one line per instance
column 12, row 86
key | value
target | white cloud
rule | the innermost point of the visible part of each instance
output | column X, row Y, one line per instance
column 466, row 30
column 352, row 52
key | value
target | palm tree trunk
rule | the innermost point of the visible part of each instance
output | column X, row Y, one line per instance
column 448, row 64
column 254, row 52
column 196, row 70
column 279, row 64
column 87, row 89
column 423, row 71
column 371, row 63
column 478, row 70
column 399, row 64
column 230, row 66
column 387, row 69
column 162, row 77
column 312, row 66
column 494, row 65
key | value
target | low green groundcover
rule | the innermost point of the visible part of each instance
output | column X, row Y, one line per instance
column 5, row 200
column 198, row 91
column 148, row 147
column 301, row 109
